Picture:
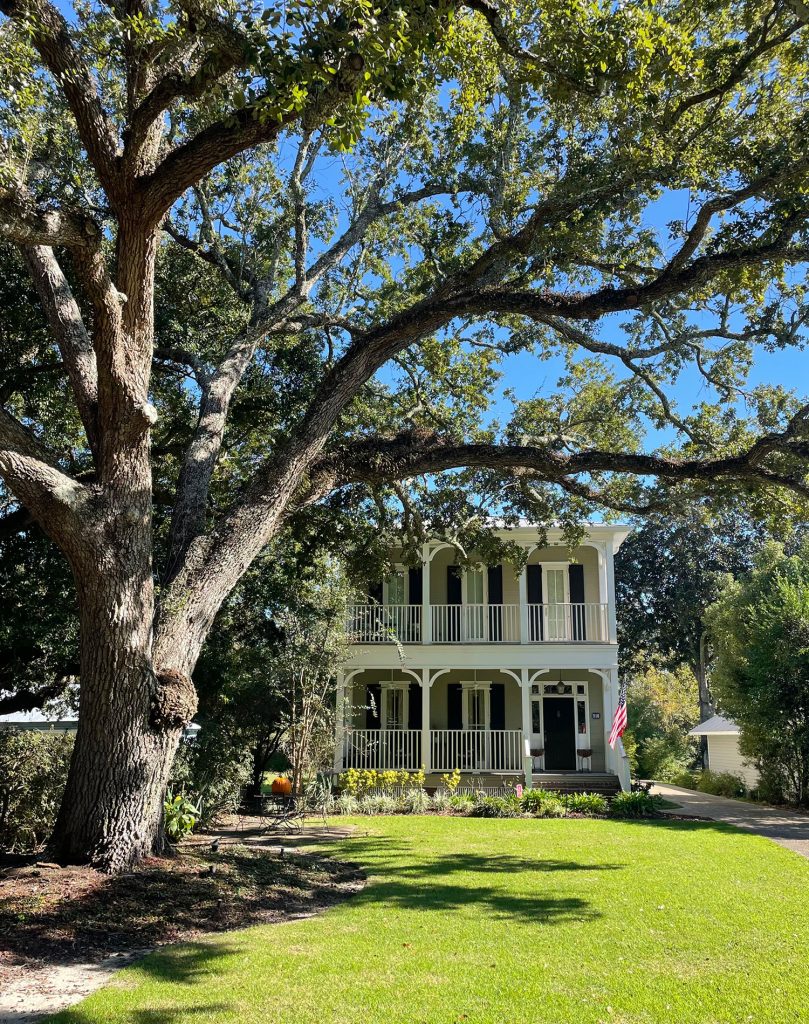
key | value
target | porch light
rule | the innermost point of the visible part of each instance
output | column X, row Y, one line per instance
column 560, row 687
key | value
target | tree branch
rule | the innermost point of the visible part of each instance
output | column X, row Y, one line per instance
column 50, row 35
column 65, row 321
column 56, row 500
column 23, row 224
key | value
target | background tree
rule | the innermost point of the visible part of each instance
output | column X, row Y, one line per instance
column 494, row 201
column 662, row 706
column 667, row 573
column 760, row 631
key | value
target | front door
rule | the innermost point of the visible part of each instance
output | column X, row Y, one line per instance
column 560, row 734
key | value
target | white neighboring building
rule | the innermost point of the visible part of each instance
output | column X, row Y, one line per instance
column 498, row 674
column 722, row 736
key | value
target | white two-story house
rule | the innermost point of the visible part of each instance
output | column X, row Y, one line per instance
column 498, row 674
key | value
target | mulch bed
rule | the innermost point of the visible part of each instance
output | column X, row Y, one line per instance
column 53, row 915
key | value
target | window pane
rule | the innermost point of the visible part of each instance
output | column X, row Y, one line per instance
column 474, row 587
column 581, row 716
column 535, row 720
column 396, row 588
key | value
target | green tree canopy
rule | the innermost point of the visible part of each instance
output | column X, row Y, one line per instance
column 364, row 210
column 760, row 631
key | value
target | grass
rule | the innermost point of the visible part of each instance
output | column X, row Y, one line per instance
column 518, row 921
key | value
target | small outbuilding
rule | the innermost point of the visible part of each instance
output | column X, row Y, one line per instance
column 724, row 755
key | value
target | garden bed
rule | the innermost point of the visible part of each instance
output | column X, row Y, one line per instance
column 51, row 917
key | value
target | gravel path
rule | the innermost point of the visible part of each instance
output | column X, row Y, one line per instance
column 788, row 828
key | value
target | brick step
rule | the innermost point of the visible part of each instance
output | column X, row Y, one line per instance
column 590, row 782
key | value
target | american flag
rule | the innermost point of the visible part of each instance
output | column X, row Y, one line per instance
column 619, row 719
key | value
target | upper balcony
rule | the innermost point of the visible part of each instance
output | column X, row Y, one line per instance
column 559, row 597
column 480, row 623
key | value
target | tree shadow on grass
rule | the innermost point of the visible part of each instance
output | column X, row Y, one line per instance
column 165, row 1015
column 66, row 915
column 434, row 884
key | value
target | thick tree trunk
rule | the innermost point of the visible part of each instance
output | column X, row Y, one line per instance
column 130, row 721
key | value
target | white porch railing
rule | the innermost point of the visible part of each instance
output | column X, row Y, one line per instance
column 494, row 750
column 382, row 748
column 564, row 623
column 476, row 623
column 384, row 623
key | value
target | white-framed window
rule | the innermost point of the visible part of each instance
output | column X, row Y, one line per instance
column 476, row 706
column 395, row 700
column 396, row 587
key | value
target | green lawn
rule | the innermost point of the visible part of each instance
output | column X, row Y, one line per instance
column 509, row 922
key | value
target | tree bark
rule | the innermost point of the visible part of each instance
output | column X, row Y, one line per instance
column 130, row 721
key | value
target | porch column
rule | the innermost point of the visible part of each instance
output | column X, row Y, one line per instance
column 525, row 699
column 603, row 593
column 426, row 614
column 612, row 634
column 339, row 722
column 523, row 585
column 426, row 759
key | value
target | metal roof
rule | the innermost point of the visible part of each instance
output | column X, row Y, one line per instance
column 716, row 726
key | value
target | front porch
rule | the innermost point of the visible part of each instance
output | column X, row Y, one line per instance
column 522, row 723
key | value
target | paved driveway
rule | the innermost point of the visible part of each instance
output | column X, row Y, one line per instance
column 789, row 828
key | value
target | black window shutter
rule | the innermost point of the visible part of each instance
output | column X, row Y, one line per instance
column 576, row 584
column 453, row 584
column 454, row 711
column 533, row 575
column 497, row 705
column 373, row 710
column 414, row 707
column 415, row 577
column 534, row 581
column 495, row 584
column 495, row 574
column 375, row 593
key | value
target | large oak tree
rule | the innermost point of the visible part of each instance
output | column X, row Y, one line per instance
column 386, row 201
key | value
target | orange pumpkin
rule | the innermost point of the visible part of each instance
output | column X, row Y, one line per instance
column 281, row 787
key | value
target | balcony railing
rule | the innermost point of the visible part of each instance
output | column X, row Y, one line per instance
column 567, row 623
column 382, row 749
column 378, row 623
column 475, row 623
column 479, row 623
column 494, row 750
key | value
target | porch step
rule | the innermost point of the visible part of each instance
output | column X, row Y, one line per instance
column 578, row 782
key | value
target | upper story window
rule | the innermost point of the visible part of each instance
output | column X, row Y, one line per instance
column 396, row 588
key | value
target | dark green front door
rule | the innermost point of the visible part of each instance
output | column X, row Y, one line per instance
column 560, row 736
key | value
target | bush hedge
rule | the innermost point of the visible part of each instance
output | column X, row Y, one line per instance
column 33, row 773
column 533, row 803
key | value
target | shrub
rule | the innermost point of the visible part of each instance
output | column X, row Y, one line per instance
column 360, row 781
column 440, row 801
column 33, row 772
column 635, row 805
column 415, row 801
column 496, row 807
column 542, row 803
column 462, row 803
column 377, row 803
column 585, row 803
column 346, row 803
column 212, row 772
column 451, row 780
column 179, row 817
column 721, row 784
column 533, row 800
column 687, row 780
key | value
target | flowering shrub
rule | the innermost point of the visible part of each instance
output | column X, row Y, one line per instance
column 359, row 781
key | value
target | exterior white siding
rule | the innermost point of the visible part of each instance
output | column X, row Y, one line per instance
column 724, row 756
